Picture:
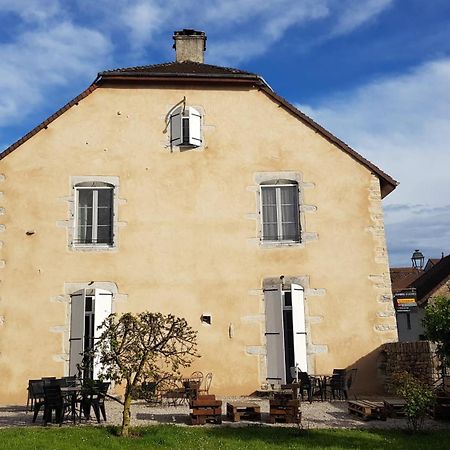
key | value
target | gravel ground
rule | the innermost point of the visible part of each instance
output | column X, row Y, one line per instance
column 316, row 415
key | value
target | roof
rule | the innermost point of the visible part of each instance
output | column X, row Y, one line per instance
column 192, row 72
column 424, row 281
column 432, row 279
column 186, row 68
column 402, row 277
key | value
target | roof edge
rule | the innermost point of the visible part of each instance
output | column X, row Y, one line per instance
column 387, row 183
column 49, row 120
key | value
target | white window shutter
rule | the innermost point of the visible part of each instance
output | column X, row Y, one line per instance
column 102, row 309
column 195, row 127
column 176, row 137
column 299, row 327
column 76, row 330
column 274, row 335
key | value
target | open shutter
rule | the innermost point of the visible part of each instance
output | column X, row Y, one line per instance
column 299, row 327
column 76, row 330
column 274, row 335
column 102, row 309
column 195, row 124
column 175, row 127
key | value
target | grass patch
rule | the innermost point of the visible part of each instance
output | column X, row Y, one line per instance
column 252, row 437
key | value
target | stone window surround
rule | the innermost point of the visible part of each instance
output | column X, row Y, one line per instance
column 297, row 177
column 75, row 180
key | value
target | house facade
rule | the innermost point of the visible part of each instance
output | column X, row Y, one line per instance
column 196, row 190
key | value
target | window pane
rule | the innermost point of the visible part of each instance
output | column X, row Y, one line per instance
column 105, row 198
column 84, row 224
column 104, row 216
column 269, row 214
column 85, row 234
column 289, row 213
column 104, row 235
column 185, row 130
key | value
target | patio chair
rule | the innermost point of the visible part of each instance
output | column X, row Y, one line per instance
column 36, row 391
column 206, row 384
column 94, row 396
column 337, row 384
column 306, row 384
column 196, row 376
column 30, row 398
column 55, row 401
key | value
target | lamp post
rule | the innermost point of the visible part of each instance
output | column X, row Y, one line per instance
column 417, row 260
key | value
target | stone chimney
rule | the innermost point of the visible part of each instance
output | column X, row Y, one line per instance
column 189, row 45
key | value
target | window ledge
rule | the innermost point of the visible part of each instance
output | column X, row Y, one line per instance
column 93, row 247
column 277, row 244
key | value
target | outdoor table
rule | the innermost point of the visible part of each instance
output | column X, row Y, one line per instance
column 73, row 392
column 322, row 382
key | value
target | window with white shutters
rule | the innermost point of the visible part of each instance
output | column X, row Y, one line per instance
column 89, row 308
column 185, row 127
column 280, row 212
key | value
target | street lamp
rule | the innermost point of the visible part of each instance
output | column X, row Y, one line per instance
column 417, row 259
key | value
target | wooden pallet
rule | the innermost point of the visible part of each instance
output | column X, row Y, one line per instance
column 441, row 408
column 367, row 409
column 395, row 407
column 243, row 410
column 205, row 408
column 286, row 410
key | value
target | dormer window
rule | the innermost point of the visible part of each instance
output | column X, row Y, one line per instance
column 185, row 127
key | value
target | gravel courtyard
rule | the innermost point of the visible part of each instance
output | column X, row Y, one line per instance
column 316, row 415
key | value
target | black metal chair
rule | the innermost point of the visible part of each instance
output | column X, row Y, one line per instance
column 306, row 384
column 55, row 401
column 341, row 382
column 36, row 393
column 94, row 396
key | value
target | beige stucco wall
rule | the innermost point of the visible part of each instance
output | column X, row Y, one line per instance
column 188, row 234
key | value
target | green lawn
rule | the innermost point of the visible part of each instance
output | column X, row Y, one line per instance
column 176, row 437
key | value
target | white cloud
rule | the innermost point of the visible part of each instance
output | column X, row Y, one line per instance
column 40, row 59
column 248, row 28
column 402, row 124
column 357, row 13
column 32, row 10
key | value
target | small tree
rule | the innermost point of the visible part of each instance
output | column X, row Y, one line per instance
column 418, row 396
column 437, row 326
column 134, row 348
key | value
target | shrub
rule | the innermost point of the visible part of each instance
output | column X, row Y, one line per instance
column 418, row 396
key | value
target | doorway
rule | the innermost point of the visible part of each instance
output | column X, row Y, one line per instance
column 286, row 338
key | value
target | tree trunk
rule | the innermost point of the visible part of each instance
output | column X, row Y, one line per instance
column 126, row 414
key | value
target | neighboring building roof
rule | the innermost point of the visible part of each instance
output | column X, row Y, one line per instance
column 426, row 282
column 432, row 262
column 402, row 277
column 432, row 279
column 191, row 72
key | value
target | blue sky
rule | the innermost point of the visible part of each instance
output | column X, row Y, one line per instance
column 374, row 72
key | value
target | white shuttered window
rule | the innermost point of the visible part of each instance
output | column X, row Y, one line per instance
column 185, row 127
